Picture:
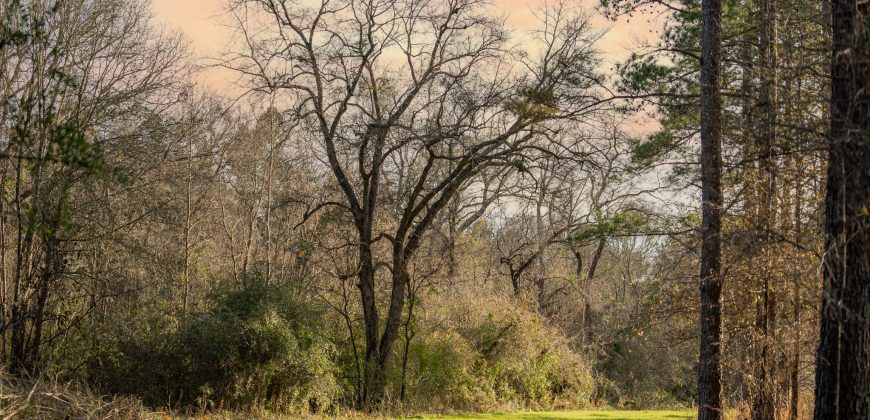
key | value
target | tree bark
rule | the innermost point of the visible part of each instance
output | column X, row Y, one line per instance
column 709, row 370
column 371, row 372
column 843, row 364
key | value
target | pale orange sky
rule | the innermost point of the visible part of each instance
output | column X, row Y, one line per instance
column 201, row 21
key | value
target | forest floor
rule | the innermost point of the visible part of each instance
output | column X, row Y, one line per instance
column 574, row 415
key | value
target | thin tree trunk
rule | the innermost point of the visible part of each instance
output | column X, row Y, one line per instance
column 452, row 223
column 250, row 241
column 269, row 177
column 409, row 334
column 843, row 365
column 38, row 312
column 794, row 378
column 709, row 370
column 18, row 316
column 596, row 257
column 3, row 280
column 230, row 239
column 588, row 316
column 795, row 366
column 452, row 264
column 348, row 322
column 764, row 407
column 187, row 219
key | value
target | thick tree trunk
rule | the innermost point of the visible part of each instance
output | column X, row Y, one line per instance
column 709, row 370
column 393, row 322
column 371, row 321
column 379, row 348
column 18, row 345
column 843, row 365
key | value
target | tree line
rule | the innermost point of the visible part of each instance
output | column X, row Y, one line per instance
column 415, row 207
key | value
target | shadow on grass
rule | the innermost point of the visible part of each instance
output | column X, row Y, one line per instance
column 568, row 415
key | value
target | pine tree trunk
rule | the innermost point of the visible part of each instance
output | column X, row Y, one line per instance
column 764, row 407
column 709, row 371
column 843, row 365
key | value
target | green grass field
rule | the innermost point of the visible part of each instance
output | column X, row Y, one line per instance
column 576, row 415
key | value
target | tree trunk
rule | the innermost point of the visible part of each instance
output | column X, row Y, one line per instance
column 3, row 285
column 269, row 175
column 764, row 407
column 588, row 316
column 794, row 399
column 371, row 321
column 393, row 321
column 794, row 374
column 843, row 364
column 187, row 226
column 451, row 242
column 709, row 370
column 380, row 349
column 409, row 333
column 38, row 312
column 593, row 265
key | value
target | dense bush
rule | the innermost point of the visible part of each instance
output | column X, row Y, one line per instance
column 644, row 361
column 492, row 355
column 255, row 348
column 637, row 373
column 273, row 348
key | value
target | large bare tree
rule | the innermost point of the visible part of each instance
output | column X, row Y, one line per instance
column 437, row 83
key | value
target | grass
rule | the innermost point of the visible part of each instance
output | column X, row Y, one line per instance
column 575, row 415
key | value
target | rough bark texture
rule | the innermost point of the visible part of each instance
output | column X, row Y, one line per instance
column 843, row 365
column 709, row 371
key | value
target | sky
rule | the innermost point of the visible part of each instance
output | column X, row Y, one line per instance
column 203, row 22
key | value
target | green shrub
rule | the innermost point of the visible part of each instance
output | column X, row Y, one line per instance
column 440, row 371
column 255, row 348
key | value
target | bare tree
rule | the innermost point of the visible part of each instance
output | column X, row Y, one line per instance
column 562, row 197
column 67, row 83
column 436, row 82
